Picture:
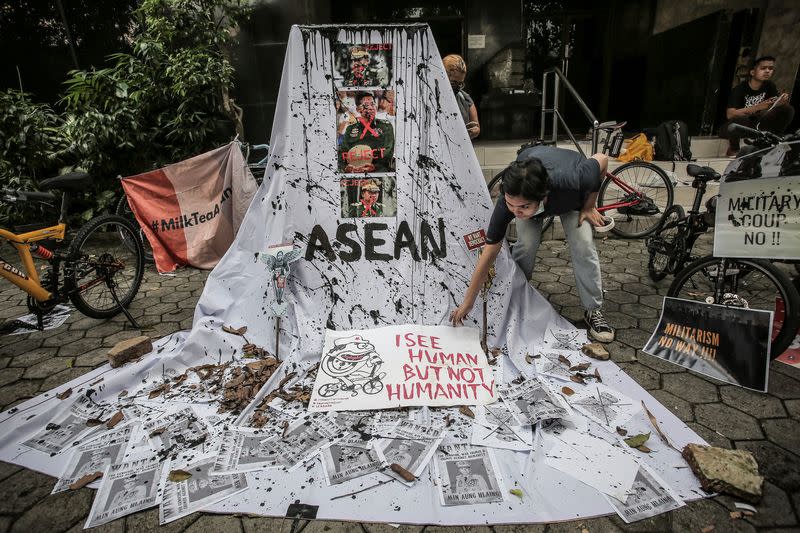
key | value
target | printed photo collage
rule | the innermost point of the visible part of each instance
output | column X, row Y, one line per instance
column 365, row 129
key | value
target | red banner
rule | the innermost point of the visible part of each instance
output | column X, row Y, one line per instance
column 190, row 211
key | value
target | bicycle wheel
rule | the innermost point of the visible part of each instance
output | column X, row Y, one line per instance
column 101, row 257
column 653, row 195
column 494, row 192
column 757, row 282
column 667, row 246
column 124, row 210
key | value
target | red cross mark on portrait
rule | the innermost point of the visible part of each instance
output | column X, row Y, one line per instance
column 367, row 128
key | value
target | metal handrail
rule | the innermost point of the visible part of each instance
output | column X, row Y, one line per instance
column 559, row 77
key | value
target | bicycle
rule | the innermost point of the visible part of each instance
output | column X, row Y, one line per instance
column 639, row 192
column 744, row 282
column 671, row 246
column 97, row 271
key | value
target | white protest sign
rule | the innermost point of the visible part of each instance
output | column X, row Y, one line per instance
column 759, row 218
column 400, row 366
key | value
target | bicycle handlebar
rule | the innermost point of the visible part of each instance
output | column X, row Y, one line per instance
column 15, row 195
column 766, row 135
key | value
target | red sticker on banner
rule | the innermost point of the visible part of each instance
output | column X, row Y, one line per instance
column 476, row 239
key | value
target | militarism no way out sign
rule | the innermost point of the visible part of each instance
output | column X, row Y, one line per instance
column 399, row 366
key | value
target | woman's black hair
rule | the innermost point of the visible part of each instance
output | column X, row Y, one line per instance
column 527, row 178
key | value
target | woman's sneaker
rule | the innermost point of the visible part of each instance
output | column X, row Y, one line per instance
column 599, row 329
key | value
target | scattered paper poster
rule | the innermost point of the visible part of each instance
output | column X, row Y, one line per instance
column 455, row 424
column 362, row 65
column 604, row 405
column 495, row 427
column 57, row 316
column 565, row 339
column 792, row 354
column 126, row 488
column 365, row 131
column 402, row 366
column 176, row 431
column 648, row 496
column 557, row 363
column 244, row 450
column 731, row 344
column 303, row 438
column 468, row 475
column 94, row 456
column 590, row 460
column 180, row 498
column 410, row 446
column 343, row 462
column 69, row 428
column 374, row 196
column 532, row 401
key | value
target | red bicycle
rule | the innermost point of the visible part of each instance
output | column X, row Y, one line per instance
column 636, row 195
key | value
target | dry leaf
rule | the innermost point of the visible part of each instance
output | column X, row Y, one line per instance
column 564, row 360
column 122, row 394
column 466, row 411
column 577, row 379
column 644, row 449
column 402, row 472
column 580, row 367
column 567, row 391
column 622, row 431
column 180, row 379
column 233, row 331
column 748, row 513
column 92, row 422
column 114, row 420
column 163, row 388
column 736, row 515
column 158, row 431
column 654, row 422
column 708, row 529
column 495, row 351
column 177, row 476
column 597, row 376
column 637, row 440
column 65, row 394
column 528, row 358
column 85, row 480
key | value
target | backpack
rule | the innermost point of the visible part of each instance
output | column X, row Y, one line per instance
column 637, row 147
column 673, row 142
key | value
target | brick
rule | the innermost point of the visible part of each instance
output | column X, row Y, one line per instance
column 124, row 351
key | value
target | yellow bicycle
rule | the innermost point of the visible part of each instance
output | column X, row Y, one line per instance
column 100, row 270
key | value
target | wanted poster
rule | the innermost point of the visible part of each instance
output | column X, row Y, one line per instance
column 343, row 462
column 362, row 64
column 95, row 456
column 180, row 498
column 455, row 423
column 495, row 426
column 175, row 432
column 396, row 366
column 758, row 218
column 532, row 401
column 648, row 496
column 69, row 427
column 411, row 446
column 604, row 405
column 374, row 196
column 303, row 438
column 557, row 363
column 125, row 489
column 468, row 475
column 244, row 450
column 570, row 340
column 730, row 344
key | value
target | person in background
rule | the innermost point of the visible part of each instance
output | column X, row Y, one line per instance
column 456, row 70
column 756, row 103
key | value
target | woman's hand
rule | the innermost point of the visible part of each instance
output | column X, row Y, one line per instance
column 457, row 316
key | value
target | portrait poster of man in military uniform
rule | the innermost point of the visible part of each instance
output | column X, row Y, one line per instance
column 365, row 132
column 363, row 65
column 368, row 197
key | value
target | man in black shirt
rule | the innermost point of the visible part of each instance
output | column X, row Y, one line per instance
column 756, row 103
column 545, row 180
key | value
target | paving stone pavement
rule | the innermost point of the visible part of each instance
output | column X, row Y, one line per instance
column 768, row 425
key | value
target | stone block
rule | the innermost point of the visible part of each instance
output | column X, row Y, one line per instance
column 124, row 351
column 733, row 472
